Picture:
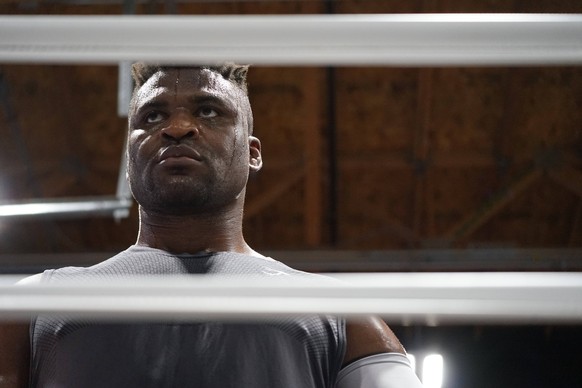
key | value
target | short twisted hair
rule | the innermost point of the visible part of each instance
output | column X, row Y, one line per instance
column 232, row 72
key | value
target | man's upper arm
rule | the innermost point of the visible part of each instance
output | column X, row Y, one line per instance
column 375, row 358
column 15, row 348
column 368, row 336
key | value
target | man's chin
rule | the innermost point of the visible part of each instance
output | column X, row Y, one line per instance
column 174, row 197
column 174, row 207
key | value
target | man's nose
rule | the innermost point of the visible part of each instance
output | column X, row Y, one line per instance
column 181, row 126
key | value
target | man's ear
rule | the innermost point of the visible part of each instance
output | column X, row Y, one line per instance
column 255, row 159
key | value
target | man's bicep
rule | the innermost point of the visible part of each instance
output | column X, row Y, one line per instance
column 369, row 336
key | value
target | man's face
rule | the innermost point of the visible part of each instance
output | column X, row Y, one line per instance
column 188, row 145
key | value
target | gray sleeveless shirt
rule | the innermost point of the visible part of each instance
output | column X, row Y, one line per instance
column 301, row 352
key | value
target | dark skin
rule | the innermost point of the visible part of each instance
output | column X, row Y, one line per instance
column 190, row 154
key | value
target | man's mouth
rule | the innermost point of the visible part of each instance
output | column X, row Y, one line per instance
column 180, row 154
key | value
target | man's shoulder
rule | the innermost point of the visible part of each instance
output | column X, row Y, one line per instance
column 72, row 272
column 30, row 280
column 50, row 275
column 239, row 263
column 268, row 267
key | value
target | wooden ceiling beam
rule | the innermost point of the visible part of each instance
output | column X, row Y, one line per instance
column 268, row 197
column 313, row 214
column 422, row 191
column 404, row 162
column 491, row 207
column 567, row 177
column 576, row 231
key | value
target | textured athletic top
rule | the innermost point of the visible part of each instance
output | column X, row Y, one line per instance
column 298, row 352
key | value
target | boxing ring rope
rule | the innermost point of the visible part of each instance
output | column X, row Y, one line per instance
column 370, row 39
column 403, row 298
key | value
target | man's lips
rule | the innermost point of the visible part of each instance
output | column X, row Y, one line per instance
column 177, row 153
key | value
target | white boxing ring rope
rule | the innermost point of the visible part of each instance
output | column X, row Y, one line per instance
column 370, row 39
column 400, row 298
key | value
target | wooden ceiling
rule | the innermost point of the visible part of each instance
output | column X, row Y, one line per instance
column 360, row 159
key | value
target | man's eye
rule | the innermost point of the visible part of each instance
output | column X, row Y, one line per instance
column 154, row 117
column 207, row 113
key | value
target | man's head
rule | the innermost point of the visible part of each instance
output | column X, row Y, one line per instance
column 190, row 148
column 237, row 74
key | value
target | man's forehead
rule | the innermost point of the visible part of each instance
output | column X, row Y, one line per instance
column 187, row 80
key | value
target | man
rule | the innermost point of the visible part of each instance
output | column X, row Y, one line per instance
column 190, row 154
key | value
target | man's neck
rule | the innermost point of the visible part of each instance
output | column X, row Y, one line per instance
column 193, row 233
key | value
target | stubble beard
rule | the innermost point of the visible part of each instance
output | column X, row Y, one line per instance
column 179, row 195
column 183, row 194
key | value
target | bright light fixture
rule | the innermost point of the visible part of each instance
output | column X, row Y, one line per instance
column 432, row 371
